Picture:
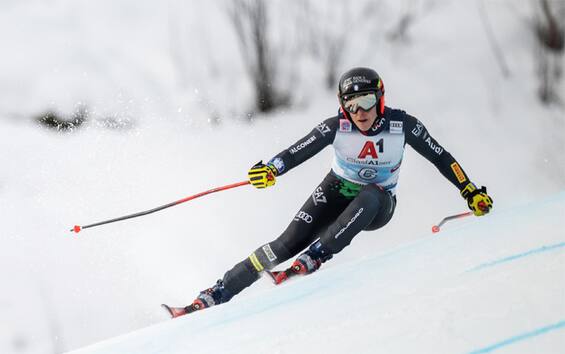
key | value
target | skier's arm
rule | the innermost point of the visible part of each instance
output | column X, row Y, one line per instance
column 420, row 139
column 320, row 137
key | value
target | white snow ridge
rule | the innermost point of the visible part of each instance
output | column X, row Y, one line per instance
column 491, row 284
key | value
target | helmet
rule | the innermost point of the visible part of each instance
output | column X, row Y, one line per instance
column 361, row 80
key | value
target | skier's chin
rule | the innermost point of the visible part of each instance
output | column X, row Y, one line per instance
column 364, row 120
column 364, row 124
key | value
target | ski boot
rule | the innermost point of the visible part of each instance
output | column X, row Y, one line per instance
column 307, row 263
column 209, row 297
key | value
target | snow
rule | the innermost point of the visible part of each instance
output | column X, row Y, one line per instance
column 475, row 287
column 165, row 72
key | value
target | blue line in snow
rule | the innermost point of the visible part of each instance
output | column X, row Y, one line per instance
column 516, row 256
column 520, row 337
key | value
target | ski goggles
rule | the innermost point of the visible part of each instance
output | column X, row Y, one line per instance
column 365, row 101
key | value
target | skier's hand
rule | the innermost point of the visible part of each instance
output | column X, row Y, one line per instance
column 261, row 175
column 477, row 199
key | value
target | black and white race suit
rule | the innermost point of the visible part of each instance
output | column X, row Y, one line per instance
column 357, row 194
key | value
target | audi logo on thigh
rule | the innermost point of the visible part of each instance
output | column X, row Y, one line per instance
column 303, row 216
column 368, row 173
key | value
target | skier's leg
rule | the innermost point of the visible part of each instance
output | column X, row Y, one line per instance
column 319, row 210
column 371, row 209
column 384, row 215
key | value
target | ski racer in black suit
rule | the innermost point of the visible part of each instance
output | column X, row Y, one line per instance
column 358, row 193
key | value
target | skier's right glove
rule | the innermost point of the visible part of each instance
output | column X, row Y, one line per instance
column 261, row 175
column 477, row 199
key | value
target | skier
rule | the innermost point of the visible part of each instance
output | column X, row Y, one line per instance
column 357, row 194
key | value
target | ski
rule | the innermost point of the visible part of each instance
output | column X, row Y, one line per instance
column 279, row 277
column 175, row 312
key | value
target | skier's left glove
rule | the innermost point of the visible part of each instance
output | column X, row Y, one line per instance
column 261, row 175
column 477, row 199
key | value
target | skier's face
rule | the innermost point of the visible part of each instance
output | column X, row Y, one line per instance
column 364, row 120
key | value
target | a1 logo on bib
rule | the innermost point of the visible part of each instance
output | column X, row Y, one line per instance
column 370, row 149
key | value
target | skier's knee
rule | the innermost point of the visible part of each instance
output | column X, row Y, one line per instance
column 384, row 204
column 371, row 198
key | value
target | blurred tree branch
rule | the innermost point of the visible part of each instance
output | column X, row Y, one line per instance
column 250, row 21
column 550, row 34
column 498, row 53
column 321, row 39
column 549, row 31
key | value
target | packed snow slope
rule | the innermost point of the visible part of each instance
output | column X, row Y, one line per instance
column 494, row 284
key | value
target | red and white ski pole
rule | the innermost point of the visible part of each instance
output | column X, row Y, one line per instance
column 78, row 228
column 436, row 228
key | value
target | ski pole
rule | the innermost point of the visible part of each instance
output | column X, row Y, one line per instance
column 435, row 228
column 78, row 228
